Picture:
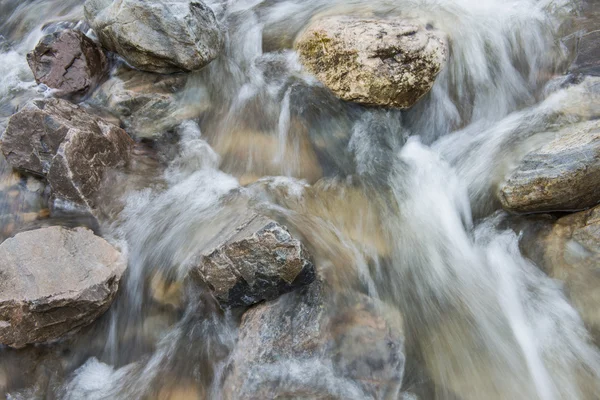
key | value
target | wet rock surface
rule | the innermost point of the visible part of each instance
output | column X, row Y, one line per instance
column 69, row 62
column 569, row 250
column 145, row 103
column 258, row 260
column 562, row 175
column 355, row 352
column 68, row 146
column 54, row 281
column 157, row 36
column 587, row 59
column 374, row 62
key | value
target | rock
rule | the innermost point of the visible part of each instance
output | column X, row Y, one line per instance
column 373, row 61
column 157, row 36
column 258, row 260
column 145, row 103
column 587, row 59
column 569, row 251
column 54, row 281
column 69, row 62
column 562, row 175
column 310, row 345
column 69, row 147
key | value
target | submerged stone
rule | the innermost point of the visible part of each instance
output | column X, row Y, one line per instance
column 312, row 345
column 562, row 175
column 54, row 281
column 155, row 35
column 69, row 147
column 569, row 250
column 258, row 260
column 145, row 103
column 373, row 61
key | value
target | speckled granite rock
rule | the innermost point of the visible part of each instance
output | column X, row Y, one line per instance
column 258, row 260
column 71, row 148
column 53, row 281
column 69, row 62
column 373, row 61
column 563, row 175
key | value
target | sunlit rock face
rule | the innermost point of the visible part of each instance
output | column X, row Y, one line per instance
column 54, row 281
column 374, row 62
column 155, row 35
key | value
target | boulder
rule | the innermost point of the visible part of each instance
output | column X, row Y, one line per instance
column 54, row 281
column 69, row 62
column 258, row 260
column 144, row 102
column 569, row 250
column 373, row 61
column 68, row 146
column 587, row 53
column 562, row 175
column 310, row 344
column 155, row 35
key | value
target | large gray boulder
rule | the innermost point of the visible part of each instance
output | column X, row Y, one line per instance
column 373, row 61
column 157, row 35
column 68, row 146
column 313, row 345
column 562, row 175
column 69, row 62
column 255, row 261
column 54, row 281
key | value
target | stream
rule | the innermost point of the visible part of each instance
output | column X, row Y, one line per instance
column 395, row 205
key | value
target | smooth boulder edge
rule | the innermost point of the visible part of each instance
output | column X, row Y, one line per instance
column 562, row 175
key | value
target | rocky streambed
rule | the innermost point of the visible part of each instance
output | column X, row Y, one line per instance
column 299, row 199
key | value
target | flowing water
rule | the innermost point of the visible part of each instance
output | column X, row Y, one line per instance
column 397, row 205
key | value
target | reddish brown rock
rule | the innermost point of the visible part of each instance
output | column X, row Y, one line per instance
column 69, row 62
column 71, row 148
column 258, row 260
column 54, row 281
